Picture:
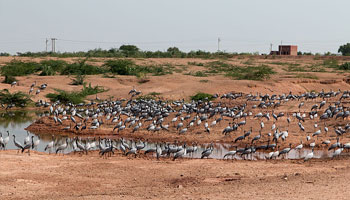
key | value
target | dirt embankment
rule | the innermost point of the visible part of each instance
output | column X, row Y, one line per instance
column 42, row 176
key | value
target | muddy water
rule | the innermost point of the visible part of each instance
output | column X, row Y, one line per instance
column 16, row 121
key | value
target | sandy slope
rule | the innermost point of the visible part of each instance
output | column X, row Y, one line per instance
column 179, row 85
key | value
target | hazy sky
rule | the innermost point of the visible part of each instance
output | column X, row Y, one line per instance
column 243, row 26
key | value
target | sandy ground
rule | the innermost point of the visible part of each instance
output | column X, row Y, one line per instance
column 179, row 85
column 42, row 176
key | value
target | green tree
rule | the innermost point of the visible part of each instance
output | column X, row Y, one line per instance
column 129, row 50
column 344, row 49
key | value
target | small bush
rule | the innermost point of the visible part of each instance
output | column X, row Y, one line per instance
column 19, row 68
column 55, row 65
column 78, row 80
column 74, row 97
column 19, row 99
column 121, row 66
column 200, row 74
column 204, row 81
column 345, row 66
column 89, row 90
column 202, row 96
column 142, row 77
column 81, row 68
column 128, row 67
column 47, row 71
column 331, row 63
column 9, row 79
column 66, row 97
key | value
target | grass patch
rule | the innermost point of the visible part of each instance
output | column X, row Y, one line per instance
column 202, row 96
column 74, row 97
column 279, row 63
column 146, row 97
column 250, row 61
column 261, row 72
column 204, row 81
column 154, row 93
column 196, row 64
column 316, row 68
column 293, row 68
column 330, row 63
column 19, row 99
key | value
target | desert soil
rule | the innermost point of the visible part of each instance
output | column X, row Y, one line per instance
column 42, row 176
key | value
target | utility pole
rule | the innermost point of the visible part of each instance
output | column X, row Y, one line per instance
column 270, row 47
column 53, row 44
column 46, row 41
column 219, row 40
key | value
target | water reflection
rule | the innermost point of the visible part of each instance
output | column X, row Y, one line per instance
column 16, row 121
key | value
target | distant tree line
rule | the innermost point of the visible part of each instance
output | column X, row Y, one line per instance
column 133, row 51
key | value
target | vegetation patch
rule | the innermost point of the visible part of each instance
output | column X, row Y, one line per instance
column 345, row 66
column 330, row 63
column 202, row 96
column 56, row 65
column 82, row 68
column 196, row 63
column 18, row 99
column 74, row 97
column 49, row 68
column 154, row 93
column 250, row 61
column 293, row 68
column 316, row 68
column 19, row 68
column 78, row 80
column 197, row 74
column 9, row 79
column 261, row 72
column 128, row 67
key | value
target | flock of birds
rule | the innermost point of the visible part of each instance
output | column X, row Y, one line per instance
column 243, row 112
